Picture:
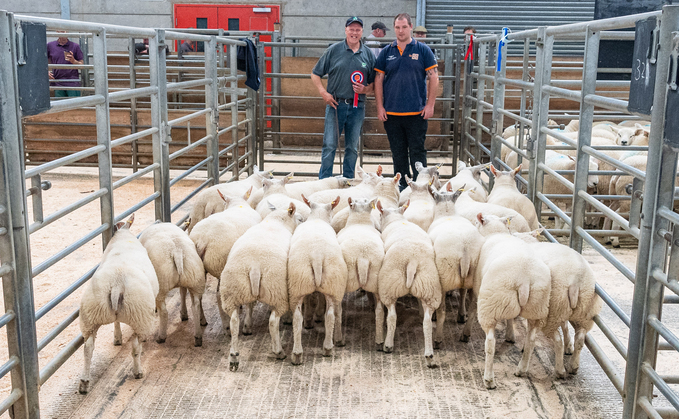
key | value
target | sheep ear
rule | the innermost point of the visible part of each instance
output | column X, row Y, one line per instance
column 306, row 201
column 438, row 166
column 449, row 187
column 288, row 178
column 266, row 184
column 480, row 218
column 118, row 226
column 457, row 194
column 379, row 207
column 615, row 129
column 270, row 172
column 571, row 157
column 372, row 203
column 221, row 195
column 291, row 209
column 129, row 222
column 476, row 172
column 379, row 170
column 418, row 166
column 535, row 233
column 360, row 172
column 493, row 171
column 271, row 206
column 409, row 181
column 460, row 165
column 517, row 170
column 404, row 207
column 247, row 194
column 507, row 221
column 397, row 178
column 639, row 129
column 352, row 204
column 524, row 293
column 335, row 202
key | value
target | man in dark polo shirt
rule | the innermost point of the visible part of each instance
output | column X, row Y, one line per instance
column 350, row 68
column 63, row 51
column 405, row 100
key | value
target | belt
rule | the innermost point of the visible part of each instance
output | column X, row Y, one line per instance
column 347, row 101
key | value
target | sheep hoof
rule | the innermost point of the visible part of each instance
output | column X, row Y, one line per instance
column 203, row 322
column 511, row 340
column 341, row 343
column 388, row 349
column 246, row 331
column 461, row 318
column 379, row 347
column 117, row 342
column 437, row 345
column 308, row 324
column 572, row 370
column 198, row 341
column 233, row 366
column 490, row 384
column 318, row 319
column 430, row 361
column 184, row 316
column 160, row 340
column 520, row 373
column 568, row 351
column 327, row 352
column 138, row 375
column 464, row 338
column 296, row 359
column 561, row 374
column 280, row 355
column 83, row 386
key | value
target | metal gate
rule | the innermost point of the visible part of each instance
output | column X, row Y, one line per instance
column 222, row 98
column 652, row 225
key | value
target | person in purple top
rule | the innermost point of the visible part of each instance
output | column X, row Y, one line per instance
column 63, row 51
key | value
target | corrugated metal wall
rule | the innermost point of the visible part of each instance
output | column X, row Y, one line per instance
column 489, row 16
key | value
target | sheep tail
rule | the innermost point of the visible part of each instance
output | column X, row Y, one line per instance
column 201, row 247
column 178, row 257
column 362, row 266
column 255, row 277
column 523, row 293
column 117, row 291
column 410, row 273
column 317, row 267
column 465, row 264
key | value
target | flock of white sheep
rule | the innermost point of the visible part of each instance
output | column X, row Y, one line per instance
column 289, row 245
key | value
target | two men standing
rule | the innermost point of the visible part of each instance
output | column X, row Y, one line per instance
column 405, row 85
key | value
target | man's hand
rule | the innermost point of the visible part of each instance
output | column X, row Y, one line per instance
column 327, row 97
column 69, row 57
column 382, row 114
column 359, row 88
column 49, row 73
column 428, row 111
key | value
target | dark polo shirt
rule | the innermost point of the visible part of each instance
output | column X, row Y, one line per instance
column 55, row 53
column 405, row 77
column 339, row 62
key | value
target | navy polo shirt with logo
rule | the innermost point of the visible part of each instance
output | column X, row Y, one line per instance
column 339, row 62
column 405, row 77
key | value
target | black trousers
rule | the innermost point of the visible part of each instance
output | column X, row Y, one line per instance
column 406, row 136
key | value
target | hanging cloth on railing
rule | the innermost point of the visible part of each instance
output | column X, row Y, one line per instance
column 502, row 43
column 247, row 61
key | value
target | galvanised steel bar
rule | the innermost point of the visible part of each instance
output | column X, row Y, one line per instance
column 63, row 161
column 276, row 86
column 74, row 103
column 190, row 170
column 17, row 285
column 480, row 96
column 498, row 102
column 181, row 152
column 135, row 207
column 250, row 115
column 64, row 294
column 48, row 370
column 447, row 88
column 610, row 257
column 177, row 121
column 456, row 110
column 133, row 137
column 233, row 54
column 132, row 52
column 211, row 111
column 58, row 329
column 589, row 74
column 606, row 364
column 159, row 120
column 67, row 210
column 127, row 179
column 131, row 94
column 42, row 267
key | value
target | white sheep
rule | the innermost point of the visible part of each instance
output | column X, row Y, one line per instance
column 209, row 202
column 572, row 298
column 177, row 264
column 215, row 236
column 256, row 270
column 510, row 281
column 123, row 289
column 276, row 195
column 409, row 267
column 424, row 175
column 506, row 194
column 468, row 177
column 467, row 207
column 457, row 244
column 618, row 186
column 363, row 252
column 421, row 208
column 307, row 188
column 365, row 189
column 636, row 135
column 386, row 191
column 316, row 263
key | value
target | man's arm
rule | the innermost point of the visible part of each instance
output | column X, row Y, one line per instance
column 432, row 90
column 379, row 96
column 327, row 97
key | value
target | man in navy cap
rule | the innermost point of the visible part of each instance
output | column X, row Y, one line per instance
column 350, row 68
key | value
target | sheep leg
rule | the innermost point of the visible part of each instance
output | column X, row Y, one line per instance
column 117, row 334
column 309, row 311
column 467, row 331
column 247, row 324
column 275, row 332
column 509, row 331
column 233, row 352
column 461, row 306
column 136, row 357
column 297, row 320
column 203, row 320
column 567, row 342
column 339, row 336
column 320, row 307
column 197, row 312
column 222, row 313
column 329, row 326
column 88, row 350
column 615, row 240
column 440, row 320
column 607, row 226
column 558, row 355
column 162, row 318
column 427, row 328
column 379, row 323
column 522, row 368
column 391, row 329
column 488, row 374
column 183, row 312
column 580, row 333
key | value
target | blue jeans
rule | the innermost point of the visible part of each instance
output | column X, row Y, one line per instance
column 347, row 119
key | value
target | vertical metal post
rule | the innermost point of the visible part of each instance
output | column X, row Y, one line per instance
column 456, row 108
column 251, row 114
column 276, row 88
column 212, row 102
column 538, row 142
column 233, row 54
column 589, row 73
column 162, row 138
column 525, row 75
column 103, row 133
column 498, row 102
column 658, row 192
column 480, row 96
column 133, row 104
column 448, row 60
column 85, row 72
column 261, row 106
column 14, row 237
column 467, row 107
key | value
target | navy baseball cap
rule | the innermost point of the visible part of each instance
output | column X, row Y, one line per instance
column 354, row 19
